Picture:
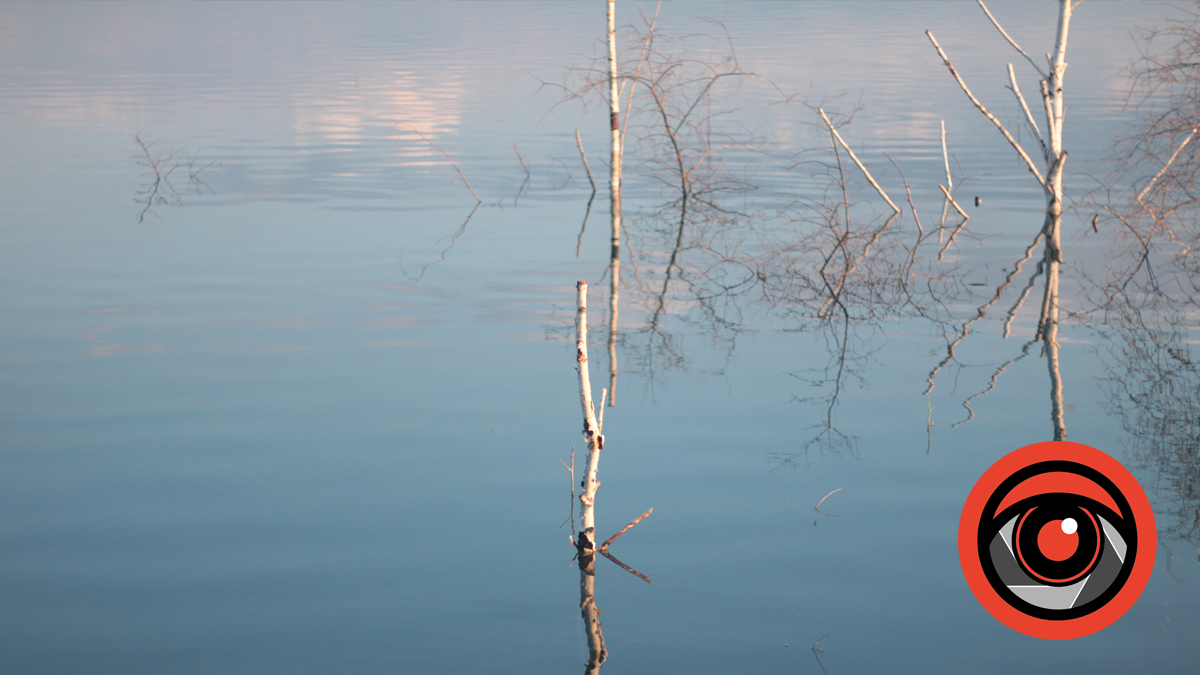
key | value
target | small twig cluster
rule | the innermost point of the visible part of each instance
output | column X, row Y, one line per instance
column 165, row 166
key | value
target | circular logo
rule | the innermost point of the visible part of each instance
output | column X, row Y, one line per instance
column 1057, row 540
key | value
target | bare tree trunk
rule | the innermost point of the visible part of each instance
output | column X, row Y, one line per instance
column 591, row 430
column 1055, row 156
column 1049, row 332
column 614, row 103
column 586, row 545
column 1053, row 93
column 612, row 350
column 597, row 652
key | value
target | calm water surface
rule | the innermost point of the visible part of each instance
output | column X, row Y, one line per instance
column 299, row 418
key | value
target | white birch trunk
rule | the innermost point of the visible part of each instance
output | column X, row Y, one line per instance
column 1055, row 108
column 1050, row 344
column 612, row 352
column 591, row 429
column 614, row 115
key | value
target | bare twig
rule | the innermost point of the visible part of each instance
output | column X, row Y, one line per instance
column 603, row 395
column 524, row 165
column 586, row 167
column 448, row 158
column 1012, row 41
column 1167, row 165
column 627, row 568
column 1012, row 312
column 587, row 212
column 992, row 382
column 949, row 181
column 453, row 240
column 1016, row 90
column 958, row 229
column 817, row 508
column 625, row 529
column 816, row 649
column 159, row 190
column 572, row 470
column 1012, row 141
column 946, row 158
column 862, row 168
column 920, row 230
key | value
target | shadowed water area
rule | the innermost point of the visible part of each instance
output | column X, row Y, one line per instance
column 287, row 357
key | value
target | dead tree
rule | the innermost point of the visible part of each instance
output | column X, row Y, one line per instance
column 1054, row 157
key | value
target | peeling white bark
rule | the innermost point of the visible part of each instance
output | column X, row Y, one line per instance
column 591, row 428
column 614, row 114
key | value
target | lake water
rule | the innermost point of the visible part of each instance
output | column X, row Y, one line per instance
column 305, row 412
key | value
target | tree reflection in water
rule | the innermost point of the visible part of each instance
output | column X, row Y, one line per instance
column 1153, row 387
column 828, row 261
column 1150, row 300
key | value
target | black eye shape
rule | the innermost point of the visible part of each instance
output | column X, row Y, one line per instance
column 1056, row 555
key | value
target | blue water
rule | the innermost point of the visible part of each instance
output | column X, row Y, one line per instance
column 282, row 425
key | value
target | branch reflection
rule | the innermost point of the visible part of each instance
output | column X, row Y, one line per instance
column 597, row 652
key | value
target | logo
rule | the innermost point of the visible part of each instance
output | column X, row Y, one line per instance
column 1057, row 540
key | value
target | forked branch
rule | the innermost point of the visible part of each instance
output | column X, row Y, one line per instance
column 1012, row 141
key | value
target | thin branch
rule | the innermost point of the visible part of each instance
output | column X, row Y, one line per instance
column 862, row 168
column 1012, row 312
column 946, row 158
column 817, row 508
column 453, row 240
column 448, row 158
column 1016, row 89
column 583, row 155
column 960, row 225
column 816, row 648
column 949, row 181
column 524, row 165
column 627, row 568
column 1012, row 141
column 624, row 529
column 1012, row 41
column 920, row 230
column 992, row 382
column 572, row 470
column 1167, row 165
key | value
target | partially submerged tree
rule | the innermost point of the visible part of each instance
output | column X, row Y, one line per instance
column 1054, row 157
column 585, row 544
column 1149, row 299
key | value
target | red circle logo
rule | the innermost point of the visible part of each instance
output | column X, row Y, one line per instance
column 1057, row 540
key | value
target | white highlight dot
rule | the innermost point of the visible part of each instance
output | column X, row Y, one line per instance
column 1069, row 526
